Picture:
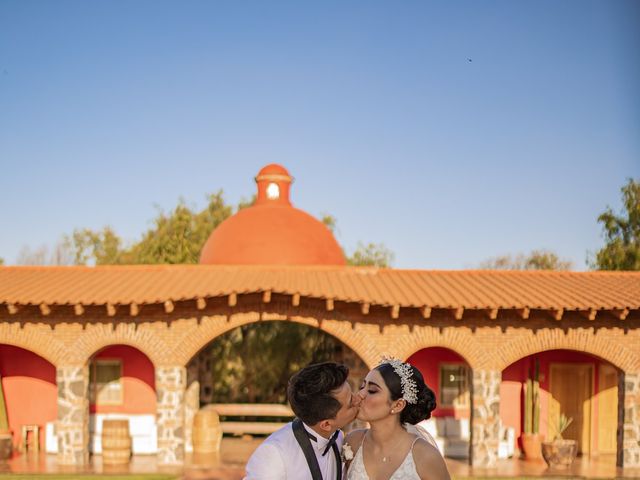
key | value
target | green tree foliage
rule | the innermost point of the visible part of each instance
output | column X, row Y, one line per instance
column 536, row 260
column 371, row 254
column 262, row 357
column 621, row 232
column 102, row 247
column 1, row 261
column 175, row 237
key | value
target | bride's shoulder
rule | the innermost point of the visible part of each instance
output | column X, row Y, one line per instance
column 429, row 461
column 354, row 437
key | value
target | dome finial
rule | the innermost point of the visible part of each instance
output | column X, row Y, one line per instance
column 273, row 182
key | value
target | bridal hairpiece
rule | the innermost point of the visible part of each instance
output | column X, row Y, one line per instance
column 408, row 384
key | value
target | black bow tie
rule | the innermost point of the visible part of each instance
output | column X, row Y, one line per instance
column 331, row 443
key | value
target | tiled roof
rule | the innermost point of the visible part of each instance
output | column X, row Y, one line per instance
column 475, row 289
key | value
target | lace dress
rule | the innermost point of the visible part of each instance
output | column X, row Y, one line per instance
column 406, row 470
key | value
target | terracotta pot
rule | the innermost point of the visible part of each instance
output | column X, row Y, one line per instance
column 532, row 446
column 559, row 453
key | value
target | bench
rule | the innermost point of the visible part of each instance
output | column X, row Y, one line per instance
column 235, row 427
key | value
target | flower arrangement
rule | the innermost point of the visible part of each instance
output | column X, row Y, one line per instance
column 346, row 453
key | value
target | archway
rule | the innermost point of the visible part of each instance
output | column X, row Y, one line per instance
column 580, row 385
column 30, row 392
column 448, row 374
column 122, row 386
column 252, row 364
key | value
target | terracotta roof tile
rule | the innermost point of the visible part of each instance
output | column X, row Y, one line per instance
column 472, row 289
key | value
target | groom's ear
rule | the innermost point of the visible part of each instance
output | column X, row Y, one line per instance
column 325, row 425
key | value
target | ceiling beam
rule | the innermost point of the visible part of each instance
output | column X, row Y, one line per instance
column 590, row 314
column 201, row 303
column 295, row 299
column 12, row 308
column 458, row 313
column 78, row 309
column 168, row 306
column 266, row 296
column 557, row 314
column 134, row 309
column 232, row 299
column 620, row 314
column 493, row 313
column 45, row 309
column 330, row 304
column 426, row 312
column 111, row 309
column 524, row 312
column 395, row 311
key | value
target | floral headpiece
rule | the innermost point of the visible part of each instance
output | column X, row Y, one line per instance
column 408, row 384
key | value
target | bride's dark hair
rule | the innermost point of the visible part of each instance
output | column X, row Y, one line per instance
column 413, row 412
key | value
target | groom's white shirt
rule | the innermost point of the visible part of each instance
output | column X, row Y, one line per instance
column 280, row 457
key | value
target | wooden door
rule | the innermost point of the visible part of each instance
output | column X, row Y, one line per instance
column 571, row 386
column 607, row 409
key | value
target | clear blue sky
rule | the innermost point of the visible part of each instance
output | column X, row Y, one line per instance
column 451, row 131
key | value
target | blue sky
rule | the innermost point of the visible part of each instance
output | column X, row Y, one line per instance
column 451, row 132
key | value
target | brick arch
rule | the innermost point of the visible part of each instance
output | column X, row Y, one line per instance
column 41, row 343
column 457, row 340
column 585, row 341
column 99, row 336
column 213, row 327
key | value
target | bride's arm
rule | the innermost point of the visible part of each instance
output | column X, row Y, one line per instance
column 429, row 462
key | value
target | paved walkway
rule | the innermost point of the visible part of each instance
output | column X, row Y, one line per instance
column 229, row 465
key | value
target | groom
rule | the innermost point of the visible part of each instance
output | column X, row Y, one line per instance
column 309, row 447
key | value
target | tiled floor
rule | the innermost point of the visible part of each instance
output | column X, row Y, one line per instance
column 228, row 465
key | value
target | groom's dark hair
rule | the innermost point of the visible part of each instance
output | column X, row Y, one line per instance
column 309, row 391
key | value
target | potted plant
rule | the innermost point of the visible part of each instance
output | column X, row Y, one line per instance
column 559, row 453
column 531, row 438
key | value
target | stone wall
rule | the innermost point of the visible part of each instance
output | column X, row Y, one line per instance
column 72, row 427
column 171, row 382
column 631, row 427
column 485, row 434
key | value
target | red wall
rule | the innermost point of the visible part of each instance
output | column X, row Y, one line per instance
column 511, row 402
column 427, row 361
column 138, row 381
column 30, row 391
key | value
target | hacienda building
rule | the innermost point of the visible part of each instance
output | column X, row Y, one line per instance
column 80, row 344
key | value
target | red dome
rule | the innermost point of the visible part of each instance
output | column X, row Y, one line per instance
column 272, row 231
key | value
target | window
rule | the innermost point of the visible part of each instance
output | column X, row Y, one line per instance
column 105, row 378
column 454, row 385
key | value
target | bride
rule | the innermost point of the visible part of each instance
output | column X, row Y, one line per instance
column 394, row 399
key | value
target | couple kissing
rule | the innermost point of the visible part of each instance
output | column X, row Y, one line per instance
column 392, row 399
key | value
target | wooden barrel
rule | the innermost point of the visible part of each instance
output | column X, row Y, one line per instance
column 116, row 442
column 207, row 432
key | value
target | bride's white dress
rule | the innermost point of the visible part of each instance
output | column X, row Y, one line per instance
column 406, row 470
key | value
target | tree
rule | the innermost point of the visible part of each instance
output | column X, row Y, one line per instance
column 371, row 254
column 1, row 261
column 175, row 237
column 101, row 248
column 536, row 260
column 621, row 232
column 61, row 255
